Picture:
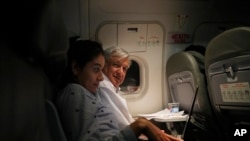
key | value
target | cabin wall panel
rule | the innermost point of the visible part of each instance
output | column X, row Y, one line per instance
column 85, row 17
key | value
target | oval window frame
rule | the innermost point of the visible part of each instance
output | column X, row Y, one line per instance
column 143, row 78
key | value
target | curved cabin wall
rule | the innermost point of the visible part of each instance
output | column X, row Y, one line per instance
column 182, row 22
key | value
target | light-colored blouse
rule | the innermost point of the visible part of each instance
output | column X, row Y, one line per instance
column 84, row 117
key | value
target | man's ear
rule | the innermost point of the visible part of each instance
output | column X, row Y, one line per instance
column 75, row 68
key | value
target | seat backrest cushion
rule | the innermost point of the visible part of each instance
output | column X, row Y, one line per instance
column 184, row 74
column 32, row 53
column 227, row 68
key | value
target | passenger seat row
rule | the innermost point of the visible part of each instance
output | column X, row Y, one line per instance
column 222, row 73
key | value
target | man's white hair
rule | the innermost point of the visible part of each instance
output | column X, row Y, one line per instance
column 114, row 51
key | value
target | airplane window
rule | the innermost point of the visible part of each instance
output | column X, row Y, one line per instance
column 132, row 80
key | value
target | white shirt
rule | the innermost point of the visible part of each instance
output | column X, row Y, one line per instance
column 110, row 97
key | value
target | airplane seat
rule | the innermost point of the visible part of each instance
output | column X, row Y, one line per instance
column 33, row 52
column 227, row 69
column 54, row 120
column 185, row 71
column 198, row 52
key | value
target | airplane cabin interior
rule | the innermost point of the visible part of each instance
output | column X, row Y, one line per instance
column 192, row 52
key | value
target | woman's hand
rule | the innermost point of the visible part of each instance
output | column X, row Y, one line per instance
column 144, row 126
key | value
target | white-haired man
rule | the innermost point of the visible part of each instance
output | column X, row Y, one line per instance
column 117, row 63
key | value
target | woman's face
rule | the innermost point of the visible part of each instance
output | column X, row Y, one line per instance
column 91, row 74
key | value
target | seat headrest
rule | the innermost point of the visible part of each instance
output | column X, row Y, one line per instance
column 186, row 62
column 230, row 43
column 40, row 36
column 199, row 59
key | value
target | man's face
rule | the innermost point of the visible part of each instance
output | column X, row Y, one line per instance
column 115, row 69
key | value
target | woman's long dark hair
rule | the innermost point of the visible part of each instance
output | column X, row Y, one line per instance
column 82, row 52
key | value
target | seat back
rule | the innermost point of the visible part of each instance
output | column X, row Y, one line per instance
column 32, row 54
column 185, row 71
column 184, row 74
column 55, row 122
column 228, row 75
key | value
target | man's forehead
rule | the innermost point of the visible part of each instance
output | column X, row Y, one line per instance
column 115, row 58
column 119, row 60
